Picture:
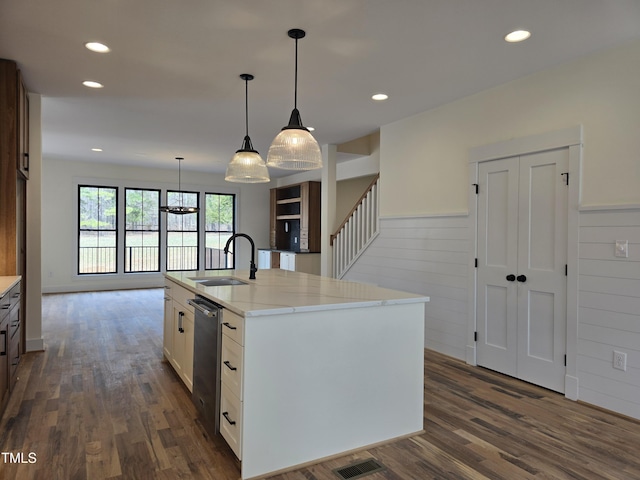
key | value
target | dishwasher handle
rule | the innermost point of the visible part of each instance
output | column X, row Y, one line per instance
column 198, row 305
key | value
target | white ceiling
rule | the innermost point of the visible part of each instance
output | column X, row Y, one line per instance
column 172, row 85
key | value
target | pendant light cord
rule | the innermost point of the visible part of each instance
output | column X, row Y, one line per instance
column 246, row 104
column 295, row 90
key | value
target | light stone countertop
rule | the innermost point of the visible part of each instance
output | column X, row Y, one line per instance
column 277, row 291
column 7, row 283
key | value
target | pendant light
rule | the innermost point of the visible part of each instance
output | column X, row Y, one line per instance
column 247, row 165
column 179, row 209
column 294, row 148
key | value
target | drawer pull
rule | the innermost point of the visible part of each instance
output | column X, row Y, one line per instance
column 228, row 325
column 228, row 365
column 6, row 306
column 226, row 416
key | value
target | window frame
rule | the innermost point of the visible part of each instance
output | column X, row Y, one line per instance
column 197, row 231
column 232, row 232
column 127, row 230
column 80, row 229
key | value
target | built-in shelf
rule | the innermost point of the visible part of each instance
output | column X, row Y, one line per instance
column 295, row 217
column 288, row 200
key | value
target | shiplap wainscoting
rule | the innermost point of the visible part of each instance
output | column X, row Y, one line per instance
column 424, row 255
column 609, row 309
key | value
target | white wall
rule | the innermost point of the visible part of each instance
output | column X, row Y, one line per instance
column 33, row 318
column 424, row 198
column 609, row 309
column 423, row 162
column 59, row 218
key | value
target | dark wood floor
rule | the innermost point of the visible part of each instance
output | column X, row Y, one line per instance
column 101, row 403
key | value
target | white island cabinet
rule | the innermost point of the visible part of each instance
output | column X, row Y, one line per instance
column 314, row 367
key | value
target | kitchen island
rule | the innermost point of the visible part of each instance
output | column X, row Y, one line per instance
column 313, row 367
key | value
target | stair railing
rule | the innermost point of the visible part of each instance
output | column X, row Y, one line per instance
column 357, row 230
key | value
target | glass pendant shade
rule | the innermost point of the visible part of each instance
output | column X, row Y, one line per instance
column 294, row 148
column 247, row 166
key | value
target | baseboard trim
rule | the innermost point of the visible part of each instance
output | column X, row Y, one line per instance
column 34, row 345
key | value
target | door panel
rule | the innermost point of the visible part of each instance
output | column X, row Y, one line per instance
column 542, row 256
column 497, row 258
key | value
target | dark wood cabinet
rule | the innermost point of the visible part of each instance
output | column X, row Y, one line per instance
column 10, row 341
column 14, row 172
column 295, row 217
column 23, row 128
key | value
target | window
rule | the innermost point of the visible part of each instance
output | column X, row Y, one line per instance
column 182, row 233
column 97, row 234
column 219, row 226
column 142, row 230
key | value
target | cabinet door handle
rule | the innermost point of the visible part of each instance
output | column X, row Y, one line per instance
column 522, row 278
column 180, row 317
column 228, row 325
column 228, row 365
column 6, row 306
column 4, row 332
column 226, row 416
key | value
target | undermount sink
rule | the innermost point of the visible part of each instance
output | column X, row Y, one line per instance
column 217, row 281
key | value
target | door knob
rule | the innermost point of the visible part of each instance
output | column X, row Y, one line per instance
column 522, row 278
column 511, row 277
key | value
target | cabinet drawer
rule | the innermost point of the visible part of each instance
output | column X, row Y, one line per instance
column 233, row 326
column 231, row 420
column 10, row 300
column 232, row 366
column 179, row 294
column 14, row 355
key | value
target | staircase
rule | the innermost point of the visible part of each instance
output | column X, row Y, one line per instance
column 356, row 232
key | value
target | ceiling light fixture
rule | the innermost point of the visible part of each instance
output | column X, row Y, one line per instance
column 97, row 47
column 294, row 148
column 517, row 36
column 379, row 97
column 247, row 166
column 92, row 84
column 179, row 209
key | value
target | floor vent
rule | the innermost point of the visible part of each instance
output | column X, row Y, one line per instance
column 359, row 470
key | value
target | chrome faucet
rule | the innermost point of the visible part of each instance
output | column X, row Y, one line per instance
column 253, row 269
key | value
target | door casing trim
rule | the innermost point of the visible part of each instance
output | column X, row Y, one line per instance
column 570, row 138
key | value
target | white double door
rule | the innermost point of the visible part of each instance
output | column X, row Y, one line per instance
column 522, row 256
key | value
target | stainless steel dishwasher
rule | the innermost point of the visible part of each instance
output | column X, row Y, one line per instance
column 206, row 362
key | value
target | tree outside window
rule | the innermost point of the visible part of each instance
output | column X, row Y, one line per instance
column 142, row 230
column 219, row 226
column 97, row 229
column 182, row 233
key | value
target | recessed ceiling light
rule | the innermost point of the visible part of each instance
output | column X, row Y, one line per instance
column 92, row 84
column 97, row 47
column 380, row 96
column 517, row 36
column 96, row 149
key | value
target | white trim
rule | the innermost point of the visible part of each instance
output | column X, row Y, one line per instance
column 567, row 138
column 34, row 345
column 521, row 146
column 471, row 358
column 425, row 215
column 609, row 208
